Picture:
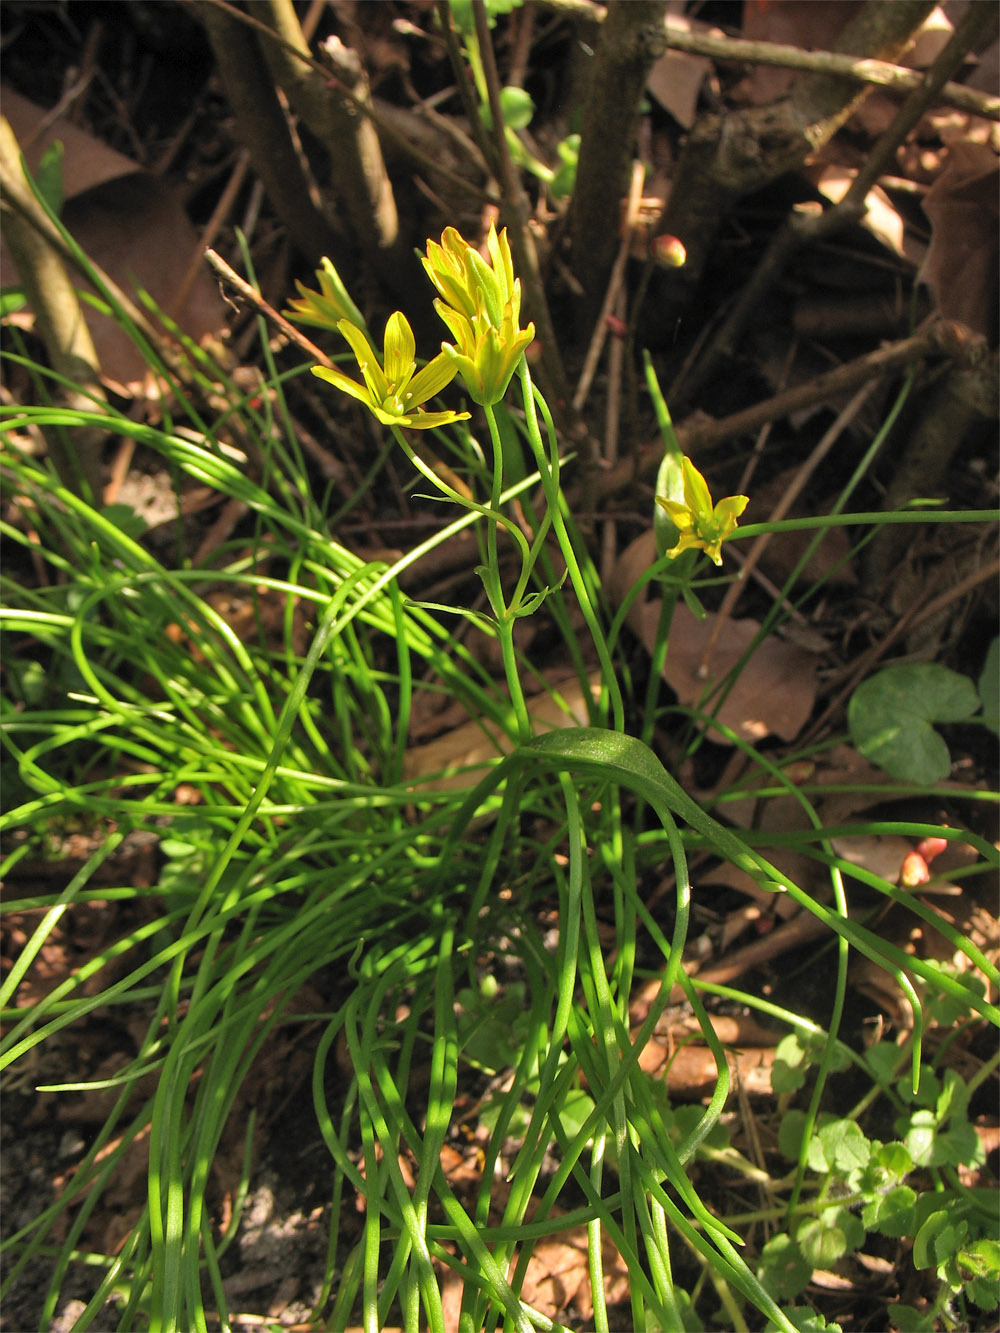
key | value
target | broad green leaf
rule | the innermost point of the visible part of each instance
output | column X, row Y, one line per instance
column 49, row 177
column 883, row 1059
column 806, row 1321
column 517, row 108
column 791, row 1061
column 907, row 1319
column 891, row 718
column 790, row 1132
column 938, row 1239
column 989, row 688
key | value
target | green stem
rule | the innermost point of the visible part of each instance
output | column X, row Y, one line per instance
column 548, row 469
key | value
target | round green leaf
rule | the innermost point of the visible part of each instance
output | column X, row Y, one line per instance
column 517, row 108
column 891, row 718
column 783, row 1270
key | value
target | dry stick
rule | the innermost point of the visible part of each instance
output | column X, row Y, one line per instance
column 802, row 229
column 881, row 73
column 75, row 455
column 629, row 44
column 616, row 357
column 362, row 106
column 878, row 72
column 522, row 242
column 251, row 93
column 698, row 437
column 781, row 509
column 916, row 615
column 364, row 190
column 240, row 285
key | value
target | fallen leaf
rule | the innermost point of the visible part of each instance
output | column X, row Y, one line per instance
column 774, row 692
column 459, row 757
column 802, row 23
column 675, row 79
column 881, row 217
column 130, row 223
column 960, row 268
column 558, row 1273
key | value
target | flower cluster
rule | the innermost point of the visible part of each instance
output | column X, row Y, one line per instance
column 481, row 305
column 700, row 524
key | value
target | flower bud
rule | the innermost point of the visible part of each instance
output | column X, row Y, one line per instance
column 913, row 872
column 931, row 847
column 667, row 251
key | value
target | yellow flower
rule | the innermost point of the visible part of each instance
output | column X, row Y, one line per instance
column 485, row 356
column 394, row 390
column 481, row 305
column 700, row 525
column 325, row 308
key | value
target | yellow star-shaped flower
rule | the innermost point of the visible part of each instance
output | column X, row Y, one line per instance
column 394, row 390
column 700, row 525
column 323, row 309
column 481, row 304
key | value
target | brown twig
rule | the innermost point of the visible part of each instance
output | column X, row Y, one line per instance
column 880, row 73
column 240, row 285
column 699, row 436
column 737, row 50
column 807, row 228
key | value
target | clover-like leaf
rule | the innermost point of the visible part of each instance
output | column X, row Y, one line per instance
column 891, row 718
column 783, row 1268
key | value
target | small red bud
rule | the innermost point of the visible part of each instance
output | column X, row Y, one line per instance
column 913, row 871
column 533, row 353
column 931, row 847
column 616, row 326
column 668, row 251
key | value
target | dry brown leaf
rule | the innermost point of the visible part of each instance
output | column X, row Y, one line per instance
column 558, row 1274
column 132, row 225
column 784, row 550
column 692, row 1072
column 774, row 692
column 802, row 23
column 880, row 854
column 676, row 78
column 460, row 757
column 881, row 217
column 960, row 268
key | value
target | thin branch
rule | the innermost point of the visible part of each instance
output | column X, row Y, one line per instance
column 801, row 229
column 881, row 73
column 699, row 436
column 240, row 285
